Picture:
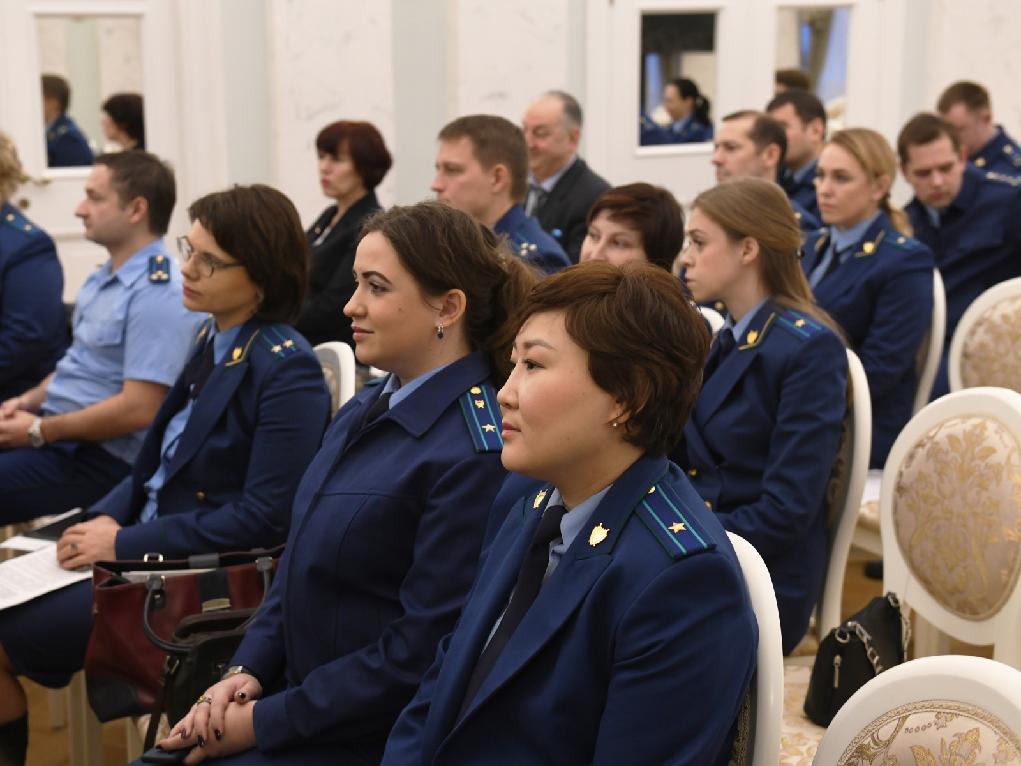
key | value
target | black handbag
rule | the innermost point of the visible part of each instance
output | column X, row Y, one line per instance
column 869, row 642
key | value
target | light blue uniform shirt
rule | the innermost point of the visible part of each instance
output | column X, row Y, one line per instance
column 737, row 329
column 176, row 425
column 400, row 392
column 126, row 327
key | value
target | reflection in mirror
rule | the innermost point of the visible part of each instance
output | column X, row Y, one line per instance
column 91, row 86
column 678, row 85
column 814, row 42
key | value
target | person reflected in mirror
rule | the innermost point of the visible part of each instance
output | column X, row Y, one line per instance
column 66, row 145
column 688, row 108
column 123, row 120
column 790, row 79
column 353, row 160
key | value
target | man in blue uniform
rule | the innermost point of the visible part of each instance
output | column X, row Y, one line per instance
column 969, row 218
column 482, row 169
column 67, row 441
column 750, row 143
column 966, row 106
column 803, row 116
column 66, row 145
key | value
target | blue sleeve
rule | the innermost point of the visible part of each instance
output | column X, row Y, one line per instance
column 117, row 504
column 159, row 334
column 813, row 400
column 703, row 649
column 359, row 694
column 31, row 308
column 292, row 410
column 262, row 649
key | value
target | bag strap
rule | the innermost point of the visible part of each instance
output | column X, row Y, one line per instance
column 155, row 595
column 169, row 666
column 842, row 634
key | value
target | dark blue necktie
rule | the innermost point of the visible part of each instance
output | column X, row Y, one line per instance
column 721, row 349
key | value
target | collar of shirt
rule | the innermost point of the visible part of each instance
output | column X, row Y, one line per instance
column 680, row 125
column 135, row 266
column 799, row 176
column 574, row 520
column 741, row 325
column 222, row 341
column 933, row 213
column 549, row 183
column 843, row 240
column 399, row 392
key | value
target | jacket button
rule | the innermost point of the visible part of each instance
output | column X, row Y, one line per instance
column 693, row 472
column 708, row 505
column 200, row 495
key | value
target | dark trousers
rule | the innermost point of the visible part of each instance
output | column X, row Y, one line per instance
column 55, row 478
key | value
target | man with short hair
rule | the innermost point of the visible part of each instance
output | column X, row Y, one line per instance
column 482, row 169
column 966, row 106
column 804, row 118
column 790, row 79
column 67, row 441
column 750, row 143
column 561, row 186
column 969, row 218
column 66, row 145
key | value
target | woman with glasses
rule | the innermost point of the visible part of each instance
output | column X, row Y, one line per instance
column 223, row 457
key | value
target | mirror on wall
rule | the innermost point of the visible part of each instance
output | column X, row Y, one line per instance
column 814, row 41
column 678, row 78
column 91, row 85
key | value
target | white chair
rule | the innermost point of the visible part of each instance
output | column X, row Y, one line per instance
column 931, row 350
column 936, row 710
column 338, row 362
column 950, row 517
column 986, row 347
column 713, row 317
column 767, row 684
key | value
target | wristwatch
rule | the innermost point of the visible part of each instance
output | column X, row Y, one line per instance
column 35, row 434
column 234, row 670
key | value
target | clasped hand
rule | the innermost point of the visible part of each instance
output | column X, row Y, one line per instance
column 220, row 723
column 82, row 545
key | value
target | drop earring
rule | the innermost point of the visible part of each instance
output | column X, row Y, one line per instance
column 439, row 331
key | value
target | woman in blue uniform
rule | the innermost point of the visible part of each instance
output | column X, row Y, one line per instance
column 635, row 222
column 389, row 518
column 221, row 461
column 761, row 441
column 870, row 275
column 611, row 590
column 33, row 328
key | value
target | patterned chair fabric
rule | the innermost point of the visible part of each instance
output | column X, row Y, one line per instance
column 957, row 514
column 934, row 733
column 991, row 355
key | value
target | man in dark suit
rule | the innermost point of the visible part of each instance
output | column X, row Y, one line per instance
column 561, row 186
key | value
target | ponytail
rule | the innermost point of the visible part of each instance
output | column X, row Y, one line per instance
column 702, row 110
column 897, row 217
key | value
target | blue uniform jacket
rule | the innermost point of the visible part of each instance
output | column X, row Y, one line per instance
column 808, row 222
column 252, row 433
column 760, row 445
column 629, row 625
column 881, row 297
column 977, row 245
column 1001, row 155
column 526, row 238
column 33, row 329
column 384, row 542
column 66, row 145
column 652, row 134
column 803, row 191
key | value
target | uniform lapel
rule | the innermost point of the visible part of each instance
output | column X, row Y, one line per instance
column 845, row 277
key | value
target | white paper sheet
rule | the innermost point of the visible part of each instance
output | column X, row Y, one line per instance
column 33, row 575
column 23, row 543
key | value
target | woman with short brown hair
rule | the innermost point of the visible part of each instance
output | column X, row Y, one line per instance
column 634, row 222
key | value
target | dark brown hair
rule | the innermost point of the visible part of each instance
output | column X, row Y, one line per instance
column 56, row 87
column 646, row 343
column 792, row 78
column 364, row 145
column 495, row 141
column 924, row 128
column 259, row 227
column 652, row 211
column 445, row 249
column 127, row 110
column 806, row 105
column 971, row 94
column 141, row 174
column 763, row 131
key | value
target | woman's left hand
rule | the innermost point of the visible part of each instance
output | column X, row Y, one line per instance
column 88, row 542
column 238, row 735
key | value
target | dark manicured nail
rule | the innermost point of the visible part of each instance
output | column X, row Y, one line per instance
column 218, row 734
column 202, row 741
column 184, row 734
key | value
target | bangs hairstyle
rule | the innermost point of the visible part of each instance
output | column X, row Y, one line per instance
column 612, row 313
column 446, row 249
column 364, row 145
column 650, row 210
column 127, row 110
column 259, row 227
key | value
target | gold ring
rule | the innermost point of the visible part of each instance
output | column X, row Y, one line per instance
column 204, row 698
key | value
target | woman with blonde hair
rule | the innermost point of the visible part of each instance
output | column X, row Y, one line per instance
column 33, row 332
column 871, row 276
column 764, row 432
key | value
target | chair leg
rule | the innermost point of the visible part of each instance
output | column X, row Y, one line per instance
column 57, row 699
column 929, row 640
column 85, row 733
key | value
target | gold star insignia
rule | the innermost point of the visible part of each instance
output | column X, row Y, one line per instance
column 288, row 343
column 488, row 428
column 480, row 403
column 599, row 533
column 980, row 162
column 539, row 498
column 677, row 527
column 475, row 390
column 799, row 323
column 159, row 259
column 236, row 353
column 752, row 336
column 651, row 490
column 275, row 349
column 901, row 240
column 868, row 248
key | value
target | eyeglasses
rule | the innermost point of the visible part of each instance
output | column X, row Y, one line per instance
column 207, row 264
